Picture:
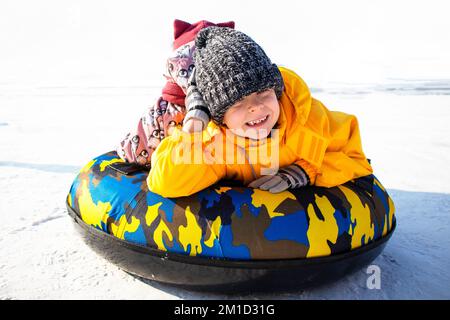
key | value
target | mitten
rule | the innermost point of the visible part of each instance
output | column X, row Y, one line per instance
column 195, row 105
column 290, row 177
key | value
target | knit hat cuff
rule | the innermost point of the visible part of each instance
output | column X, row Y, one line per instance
column 234, row 89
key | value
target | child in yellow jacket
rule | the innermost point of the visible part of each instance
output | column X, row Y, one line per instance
column 265, row 130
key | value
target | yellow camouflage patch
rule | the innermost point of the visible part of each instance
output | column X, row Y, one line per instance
column 150, row 216
column 91, row 213
column 88, row 166
column 124, row 226
column 191, row 234
column 270, row 200
column 69, row 199
column 390, row 216
column 320, row 232
column 215, row 231
column 105, row 163
column 361, row 215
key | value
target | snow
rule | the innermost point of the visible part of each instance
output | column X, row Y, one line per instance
column 49, row 137
column 62, row 104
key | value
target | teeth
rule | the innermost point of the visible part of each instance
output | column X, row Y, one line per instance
column 252, row 123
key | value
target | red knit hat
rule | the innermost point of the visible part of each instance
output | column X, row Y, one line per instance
column 185, row 32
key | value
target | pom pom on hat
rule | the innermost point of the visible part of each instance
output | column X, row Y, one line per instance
column 184, row 32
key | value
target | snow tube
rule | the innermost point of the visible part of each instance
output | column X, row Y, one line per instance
column 229, row 237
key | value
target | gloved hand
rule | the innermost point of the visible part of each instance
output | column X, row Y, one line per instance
column 289, row 177
column 196, row 108
column 193, row 125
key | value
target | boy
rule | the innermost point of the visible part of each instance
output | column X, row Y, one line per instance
column 254, row 106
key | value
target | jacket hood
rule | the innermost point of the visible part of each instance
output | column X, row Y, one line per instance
column 295, row 106
column 296, row 97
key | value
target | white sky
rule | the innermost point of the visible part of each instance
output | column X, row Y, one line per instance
column 60, row 43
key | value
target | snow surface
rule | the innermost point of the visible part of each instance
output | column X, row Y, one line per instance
column 46, row 138
column 74, row 76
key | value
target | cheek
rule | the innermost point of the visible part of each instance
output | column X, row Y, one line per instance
column 275, row 108
column 233, row 120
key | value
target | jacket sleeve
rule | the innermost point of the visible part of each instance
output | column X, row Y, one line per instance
column 343, row 159
column 177, row 170
column 344, row 163
column 309, row 169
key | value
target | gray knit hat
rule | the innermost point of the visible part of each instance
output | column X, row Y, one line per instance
column 229, row 66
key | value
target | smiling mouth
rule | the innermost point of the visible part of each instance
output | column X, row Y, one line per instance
column 257, row 122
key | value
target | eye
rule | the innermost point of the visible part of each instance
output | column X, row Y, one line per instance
column 155, row 133
column 135, row 139
column 266, row 96
column 183, row 73
column 172, row 123
column 144, row 153
column 237, row 105
column 170, row 67
column 191, row 67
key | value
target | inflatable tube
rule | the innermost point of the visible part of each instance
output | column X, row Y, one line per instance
column 230, row 237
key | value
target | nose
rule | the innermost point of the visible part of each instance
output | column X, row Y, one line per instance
column 254, row 106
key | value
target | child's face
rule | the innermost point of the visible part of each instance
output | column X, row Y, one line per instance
column 254, row 116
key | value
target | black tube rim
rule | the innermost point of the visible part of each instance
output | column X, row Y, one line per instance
column 266, row 264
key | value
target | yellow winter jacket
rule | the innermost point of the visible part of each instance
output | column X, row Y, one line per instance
column 326, row 144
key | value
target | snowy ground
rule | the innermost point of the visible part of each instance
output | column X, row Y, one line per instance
column 48, row 133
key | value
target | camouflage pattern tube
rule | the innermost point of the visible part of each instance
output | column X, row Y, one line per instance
column 232, row 222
